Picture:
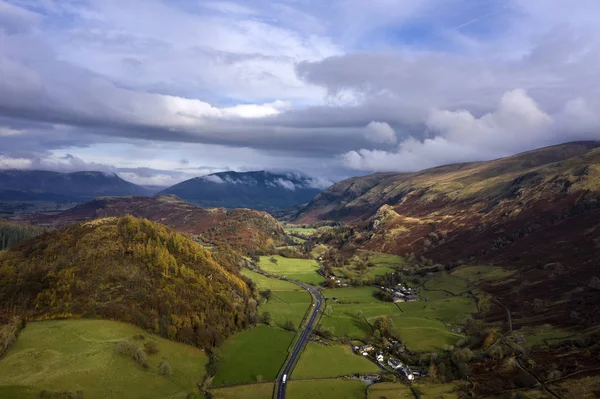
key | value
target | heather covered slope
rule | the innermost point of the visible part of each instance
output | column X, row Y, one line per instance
column 244, row 229
column 126, row 269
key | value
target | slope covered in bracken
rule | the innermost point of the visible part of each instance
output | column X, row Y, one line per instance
column 126, row 269
column 536, row 212
column 246, row 230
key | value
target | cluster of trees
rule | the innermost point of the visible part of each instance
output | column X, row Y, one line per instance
column 131, row 270
column 14, row 233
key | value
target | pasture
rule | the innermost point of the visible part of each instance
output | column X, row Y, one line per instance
column 287, row 305
column 352, row 295
column 250, row 391
column 326, row 389
column 303, row 270
column 349, row 320
column 273, row 284
column 318, row 361
column 81, row 355
column 392, row 390
column 253, row 355
column 423, row 335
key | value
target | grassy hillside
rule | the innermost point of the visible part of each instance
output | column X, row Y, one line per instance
column 126, row 269
column 319, row 361
column 82, row 355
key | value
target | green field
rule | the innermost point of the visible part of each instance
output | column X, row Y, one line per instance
column 535, row 335
column 391, row 390
column 304, row 270
column 251, row 391
column 352, row 295
column 447, row 282
column 420, row 334
column 482, row 273
column 303, row 231
column 287, row 305
column 326, row 389
column 318, row 361
column 72, row 355
column 273, row 284
column 452, row 310
column 380, row 265
column 344, row 322
column 252, row 355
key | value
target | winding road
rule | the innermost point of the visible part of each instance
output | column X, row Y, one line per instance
column 302, row 341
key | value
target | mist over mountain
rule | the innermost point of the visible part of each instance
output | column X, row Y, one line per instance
column 257, row 190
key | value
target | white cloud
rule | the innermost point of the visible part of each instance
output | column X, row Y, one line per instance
column 288, row 185
column 380, row 132
column 518, row 124
column 213, row 179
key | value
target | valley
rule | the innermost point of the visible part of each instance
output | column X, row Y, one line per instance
column 395, row 296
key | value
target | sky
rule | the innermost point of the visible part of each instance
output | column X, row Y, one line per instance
column 160, row 91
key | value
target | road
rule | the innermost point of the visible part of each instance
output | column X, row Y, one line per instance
column 302, row 341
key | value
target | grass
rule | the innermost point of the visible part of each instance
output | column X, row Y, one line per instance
column 447, row 282
column 326, row 389
column 392, row 390
column 253, row 391
column 273, row 284
column 423, row 335
column 535, row 335
column 287, row 305
column 72, row 355
column 304, row 231
column 481, row 273
column 352, row 294
column 343, row 321
column 318, row 361
column 382, row 264
column 319, row 250
column 452, row 310
column 252, row 355
column 304, row 270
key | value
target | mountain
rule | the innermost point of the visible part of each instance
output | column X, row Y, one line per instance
column 38, row 185
column 247, row 230
column 131, row 270
column 535, row 213
column 256, row 190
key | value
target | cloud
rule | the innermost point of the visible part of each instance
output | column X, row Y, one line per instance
column 323, row 87
column 380, row 132
column 288, row 185
column 213, row 179
column 517, row 124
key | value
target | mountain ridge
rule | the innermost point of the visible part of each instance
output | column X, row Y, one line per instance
column 261, row 190
column 28, row 185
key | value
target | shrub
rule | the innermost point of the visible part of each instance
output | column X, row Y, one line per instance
column 139, row 337
column 151, row 347
column 126, row 348
column 59, row 395
column 140, row 358
column 289, row 325
column 165, row 369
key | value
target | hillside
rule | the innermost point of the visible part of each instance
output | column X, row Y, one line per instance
column 256, row 190
column 130, row 270
column 244, row 229
column 536, row 212
column 38, row 185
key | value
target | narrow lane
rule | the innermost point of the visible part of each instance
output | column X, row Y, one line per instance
column 302, row 341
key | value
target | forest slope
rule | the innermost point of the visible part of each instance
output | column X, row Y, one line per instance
column 244, row 229
column 126, row 269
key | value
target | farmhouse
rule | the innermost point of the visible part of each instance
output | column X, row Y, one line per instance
column 394, row 363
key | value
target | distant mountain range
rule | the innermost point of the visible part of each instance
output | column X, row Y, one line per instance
column 38, row 185
column 257, row 190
